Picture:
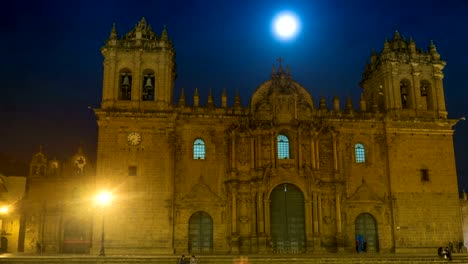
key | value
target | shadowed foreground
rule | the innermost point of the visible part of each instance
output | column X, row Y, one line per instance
column 227, row 259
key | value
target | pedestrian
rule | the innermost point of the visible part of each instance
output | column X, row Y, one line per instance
column 447, row 253
column 460, row 246
column 193, row 260
column 182, row 260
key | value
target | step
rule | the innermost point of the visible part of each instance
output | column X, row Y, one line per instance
column 229, row 259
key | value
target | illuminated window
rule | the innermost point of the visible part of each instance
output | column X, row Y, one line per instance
column 199, row 149
column 283, row 147
column 360, row 153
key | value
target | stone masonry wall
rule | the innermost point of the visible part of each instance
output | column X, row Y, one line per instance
column 426, row 219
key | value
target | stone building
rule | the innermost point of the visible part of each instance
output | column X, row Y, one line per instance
column 11, row 193
column 57, row 209
column 285, row 174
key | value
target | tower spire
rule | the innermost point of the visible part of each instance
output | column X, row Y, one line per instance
column 280, row 68
column 182, row 98
column 210, row 101
column 237, row 99
column 113, row 34
column 164, row 35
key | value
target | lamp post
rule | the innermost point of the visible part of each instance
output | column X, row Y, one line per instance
column 103, row 199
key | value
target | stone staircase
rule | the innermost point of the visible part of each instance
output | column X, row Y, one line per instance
column 229, row 259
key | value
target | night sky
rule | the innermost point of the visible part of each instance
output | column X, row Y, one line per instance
column 51, row 64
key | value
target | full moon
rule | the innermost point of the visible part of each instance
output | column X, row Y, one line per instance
column 286, row 25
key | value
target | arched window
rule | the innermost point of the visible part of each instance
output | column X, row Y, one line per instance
column 125, row 85
column 199, row 149
column 283, row 147
column 405, row 86
column 148, row 86
column 424, row 86
column 360, row 153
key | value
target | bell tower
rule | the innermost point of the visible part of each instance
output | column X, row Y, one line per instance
column 139, row 70
column 405, row 81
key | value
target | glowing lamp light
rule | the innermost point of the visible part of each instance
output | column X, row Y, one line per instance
column 286, row 25
column 4, row 209
column 104, row 198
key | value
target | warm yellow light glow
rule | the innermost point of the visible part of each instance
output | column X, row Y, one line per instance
column 4, row 209
column 104, row 198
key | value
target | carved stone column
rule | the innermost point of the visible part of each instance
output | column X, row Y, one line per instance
column 335, row 152
column 299, row 149
column 273, row 150
column 317, row 153
column 111, row 80
column 309, row 224
column 317, row 222
column 416, row 91
column 234, row 211
column 315, row 214
column 253, row 222
column 438, row 76
column 252, row 153
column 136, row 82
column 394, row 84
column 234, row 234
column 308, row 218
column 262, row 246
column 233, row 150
column 258, row 153
column 266, row 203
column 260, row 212
column 312, row 152
column 320, row 216
column 338, row 211
column 339, row 234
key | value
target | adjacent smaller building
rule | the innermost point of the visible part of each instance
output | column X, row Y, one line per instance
column 58, row 205
column 11, row 193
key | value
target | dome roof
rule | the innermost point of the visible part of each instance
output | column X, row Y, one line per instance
column 281, row 99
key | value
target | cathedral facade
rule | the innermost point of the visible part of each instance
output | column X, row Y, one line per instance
column 283, row 175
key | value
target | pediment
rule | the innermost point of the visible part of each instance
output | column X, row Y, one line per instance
column 200, row 193
column 364, row 194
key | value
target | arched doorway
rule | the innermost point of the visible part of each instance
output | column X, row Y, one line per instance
column 76, row 238
column 287, row 219
column 4, row 244
column 200, row 233
column 366, row 233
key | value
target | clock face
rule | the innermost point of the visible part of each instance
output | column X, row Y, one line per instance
column 134, row 138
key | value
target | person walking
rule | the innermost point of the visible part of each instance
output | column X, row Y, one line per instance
column 182, row 260
column 193, row 260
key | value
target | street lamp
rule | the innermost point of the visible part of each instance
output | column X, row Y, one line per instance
column 103, row 199
column 3, row 212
